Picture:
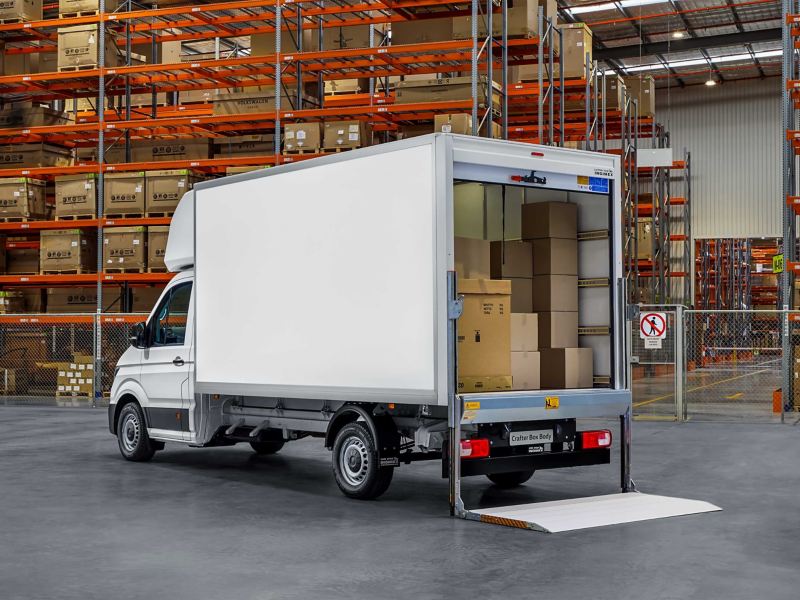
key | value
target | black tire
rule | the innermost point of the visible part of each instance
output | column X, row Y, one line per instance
column 266, row 448
column 134, row 443
column 510, row 480
column 355, row 464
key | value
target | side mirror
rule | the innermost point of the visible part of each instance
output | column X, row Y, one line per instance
column 136, row 335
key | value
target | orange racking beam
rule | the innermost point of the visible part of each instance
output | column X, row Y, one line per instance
column 84, row 279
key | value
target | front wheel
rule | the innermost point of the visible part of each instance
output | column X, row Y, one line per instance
column 134, row 443
column 355, row 464
column 510, row 480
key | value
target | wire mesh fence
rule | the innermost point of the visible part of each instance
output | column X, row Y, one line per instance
column 654, row 366
column 61, row 360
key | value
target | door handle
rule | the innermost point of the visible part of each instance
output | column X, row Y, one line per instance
column 177, row 361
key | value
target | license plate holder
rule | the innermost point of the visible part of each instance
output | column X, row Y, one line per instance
column 531, row 437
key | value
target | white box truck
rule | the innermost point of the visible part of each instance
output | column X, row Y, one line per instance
column 319, row 299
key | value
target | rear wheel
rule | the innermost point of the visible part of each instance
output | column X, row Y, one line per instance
column 510, row 480
column 355, row 464
column 134, row 443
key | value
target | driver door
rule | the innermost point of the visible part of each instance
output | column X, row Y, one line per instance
column 166, row 364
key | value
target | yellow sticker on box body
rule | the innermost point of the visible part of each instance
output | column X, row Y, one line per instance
column 472, row 405
column 551, row 402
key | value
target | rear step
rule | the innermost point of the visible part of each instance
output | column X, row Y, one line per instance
column 595, row 511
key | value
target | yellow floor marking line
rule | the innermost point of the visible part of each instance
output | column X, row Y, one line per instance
column 700, row 387
column 734, row 396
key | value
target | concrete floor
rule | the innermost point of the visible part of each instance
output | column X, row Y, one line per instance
column 78, row 522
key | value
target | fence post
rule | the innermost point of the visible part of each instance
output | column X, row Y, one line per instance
column 786, row 362
column 680, row 364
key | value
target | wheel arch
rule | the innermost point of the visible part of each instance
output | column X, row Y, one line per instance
column 124, row 397
column 381, row 427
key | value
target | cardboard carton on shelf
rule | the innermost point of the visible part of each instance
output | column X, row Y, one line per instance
column 124, row 248
column 566, row 368
column 645, row 234
column 445, row 90
column 511, row 258
column 344, row 134
column 352, row 36
column 124, row 194
column 22, row 261
column 76, row 196
column 614, row 93
column 525, row 370
column 157, row 247
column 643, row 89
column 78, row 48
column 68, row 251
column 472, row 258
column 22, row 198
column 71, row 300
column 166, row 188
column 306, row 137
column 15, row 116
column 36, row 154
column 484, row 329
column 171, row 149
column 422, row 31
column 262, row 144
column 75, row 8
column 34, row 300
column 558, row 329
column 549, row 220
column 254, row 100
column 525, row 332
column 576, row 43
column 21, row 10
column 555, row 292
column 461, row 123
column 555, row 256
column 521, row 21
column 145, row 298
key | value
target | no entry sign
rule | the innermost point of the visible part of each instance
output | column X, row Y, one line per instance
column 653, row 325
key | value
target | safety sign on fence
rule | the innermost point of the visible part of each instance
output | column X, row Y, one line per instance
column 652, row 328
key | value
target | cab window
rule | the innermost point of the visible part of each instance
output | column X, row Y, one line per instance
column 169, row 323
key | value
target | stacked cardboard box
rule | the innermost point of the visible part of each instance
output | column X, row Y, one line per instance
column 576, row 44
column 76, row 196
column 614, row 93
column 75, row 377
column 254, row 100
column 78, row 48
column 484, row 336
column 643, row 89
column 68, row 250
column 446, row 89
column 513, row 260
column 165, row 189
column 461, row 123
column 422, row 31
column 26, row 115
column 552, row 227
column 71, row 300
column 21, row 10
column 472, row 258
column 345, row 134
column 525, row 357
column 22, row 261
column 645, row 238
column 22, row 198
column 124, row 248
column 157, row 247
column 124, row 194
column 305, row 137
column 16, row 156
column 522, row 20
column 244, row 145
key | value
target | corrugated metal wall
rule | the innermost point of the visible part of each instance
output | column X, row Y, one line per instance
column 733, row 132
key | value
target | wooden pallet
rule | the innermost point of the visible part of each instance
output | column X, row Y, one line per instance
column 12, row 21
column 302, row 151
column 67, row 272
column 155, row 215
column 157, row 270
column 124, row 270
column 71, row 68
column 80, row 13
column 23, row 274
column 338, row 149
column 21, row 219
column 123, row 215
column 75, row 217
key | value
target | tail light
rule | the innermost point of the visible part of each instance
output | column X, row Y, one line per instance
column 595, row 439
column 476, row 448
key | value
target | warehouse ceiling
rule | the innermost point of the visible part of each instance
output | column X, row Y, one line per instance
column 684, row 42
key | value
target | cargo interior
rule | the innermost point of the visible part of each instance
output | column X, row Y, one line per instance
column 534, row 267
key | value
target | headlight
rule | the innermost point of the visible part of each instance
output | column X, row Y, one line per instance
column 116, row 370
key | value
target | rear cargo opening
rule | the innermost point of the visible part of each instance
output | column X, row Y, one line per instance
column 534, row 267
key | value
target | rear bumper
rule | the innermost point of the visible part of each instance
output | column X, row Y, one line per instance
column 550, row 460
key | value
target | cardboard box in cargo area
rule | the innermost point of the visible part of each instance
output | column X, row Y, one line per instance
column 71, row 300
column 166, row 188
column 22, row 197
column 524, row 332
column 22, row 261
column 511, row 258
column 78, row 48
column 471, row 258
column 494, row 383
column 124, row 248
column 555, row 292
column 549, row 219
column 522, row 291
column 558, row 329
column 156, row 248
column 344, row 134
column 14, row 156
column 76, row 195
column 302, row 137
column 555, row 256
column 21, row 10
column 525, row 370
column 124, row 194
column 566, row 368
column 68, row 251
column 484, row 329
